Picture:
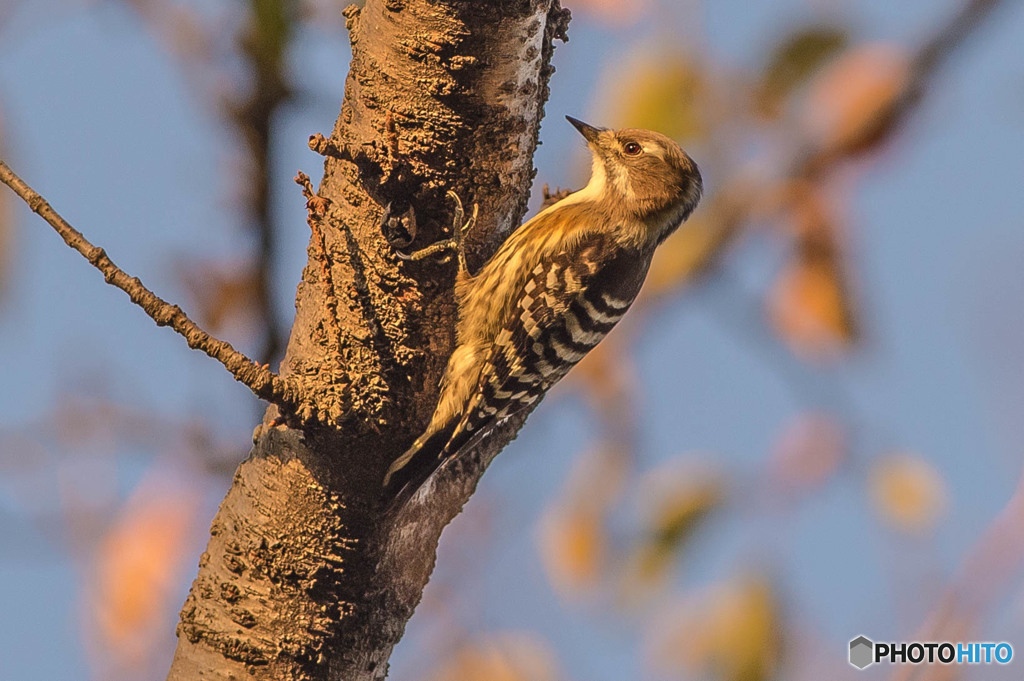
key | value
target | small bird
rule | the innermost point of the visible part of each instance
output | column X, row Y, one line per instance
column 552, row 291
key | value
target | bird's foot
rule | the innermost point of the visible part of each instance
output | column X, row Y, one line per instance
column 455, row 244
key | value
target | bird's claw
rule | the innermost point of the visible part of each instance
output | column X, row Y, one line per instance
column 454, row 244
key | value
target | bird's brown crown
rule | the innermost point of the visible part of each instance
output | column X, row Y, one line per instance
column 641, row 175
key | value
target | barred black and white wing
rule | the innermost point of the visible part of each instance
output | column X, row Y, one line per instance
column 568, row 303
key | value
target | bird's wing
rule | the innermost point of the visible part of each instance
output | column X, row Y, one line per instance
column 568, row 304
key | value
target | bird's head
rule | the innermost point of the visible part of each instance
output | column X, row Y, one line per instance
column 645, row 174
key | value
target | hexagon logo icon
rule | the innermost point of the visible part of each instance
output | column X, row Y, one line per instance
column 861, row 652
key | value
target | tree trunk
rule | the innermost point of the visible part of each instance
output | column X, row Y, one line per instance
column 304, row 576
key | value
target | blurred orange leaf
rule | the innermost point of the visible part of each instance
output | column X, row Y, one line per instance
column 222, row 291
column 615, row 12
column 730, row 632
column 809, row 304
column 808, row 309
column 848, row 105
column 572, row 536
column 505, row 657
column 907, row 492
column 135, row 572
column 572, row 547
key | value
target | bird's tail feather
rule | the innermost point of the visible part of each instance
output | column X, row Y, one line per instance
column 412, row 469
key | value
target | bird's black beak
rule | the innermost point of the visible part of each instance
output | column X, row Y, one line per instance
column 588, row 131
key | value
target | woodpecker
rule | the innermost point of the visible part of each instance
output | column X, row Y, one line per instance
column 552, row 291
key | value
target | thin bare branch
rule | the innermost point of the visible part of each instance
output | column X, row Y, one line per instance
column 263, row 382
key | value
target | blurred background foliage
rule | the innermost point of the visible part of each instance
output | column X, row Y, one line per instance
column 607, row 542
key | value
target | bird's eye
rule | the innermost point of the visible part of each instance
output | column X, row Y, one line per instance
column 632, row 149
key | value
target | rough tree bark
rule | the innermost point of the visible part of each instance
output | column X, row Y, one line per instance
column 304, row 577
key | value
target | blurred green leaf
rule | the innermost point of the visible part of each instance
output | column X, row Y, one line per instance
column 731, row 631
column 678, row 501
column 793, row 61
column 679, row 517
column 660, row 91
column 271, row 29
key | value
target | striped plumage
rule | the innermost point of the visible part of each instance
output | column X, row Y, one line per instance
column 553, row 290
